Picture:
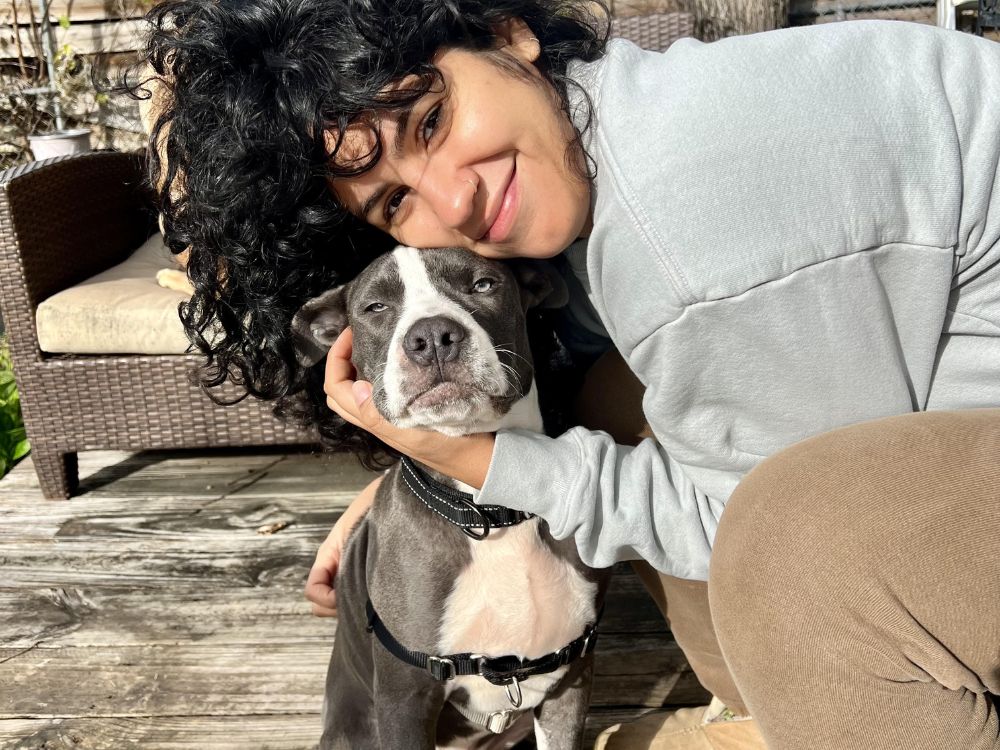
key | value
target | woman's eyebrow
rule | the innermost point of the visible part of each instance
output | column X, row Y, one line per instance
column 373, row 199
column 401, row 118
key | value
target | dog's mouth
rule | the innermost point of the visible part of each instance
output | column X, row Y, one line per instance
column 448, row 406
column 439, row 394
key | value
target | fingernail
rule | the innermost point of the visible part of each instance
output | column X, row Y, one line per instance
column 362, row 392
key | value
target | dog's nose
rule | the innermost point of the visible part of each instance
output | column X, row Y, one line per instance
column 431, row 340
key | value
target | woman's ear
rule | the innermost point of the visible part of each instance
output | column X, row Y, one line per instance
column 519, row 39
column 317, row 324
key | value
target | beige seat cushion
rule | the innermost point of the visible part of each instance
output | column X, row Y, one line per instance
column 120, row 311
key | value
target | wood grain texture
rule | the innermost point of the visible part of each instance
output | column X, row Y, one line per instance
column 150, row 613
column 80, row 10
column 86, row 38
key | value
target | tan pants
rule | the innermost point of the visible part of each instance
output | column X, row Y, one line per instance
column 684, row 604
column 855, row 587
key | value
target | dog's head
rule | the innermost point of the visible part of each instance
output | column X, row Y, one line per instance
column 440, row 334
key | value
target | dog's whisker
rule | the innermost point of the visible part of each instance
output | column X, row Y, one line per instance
column 501, row 350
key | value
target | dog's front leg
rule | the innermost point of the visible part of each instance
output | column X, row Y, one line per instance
column 560, row 718
column 408, row 702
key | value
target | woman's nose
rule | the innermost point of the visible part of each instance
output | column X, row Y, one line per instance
column 451, row 195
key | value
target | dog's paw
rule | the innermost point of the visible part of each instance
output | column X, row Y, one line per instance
column 171, row 278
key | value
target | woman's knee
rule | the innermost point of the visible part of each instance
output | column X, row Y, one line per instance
column 813, row 525
column 793, row 527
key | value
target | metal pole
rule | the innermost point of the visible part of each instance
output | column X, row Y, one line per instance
column 47, row 46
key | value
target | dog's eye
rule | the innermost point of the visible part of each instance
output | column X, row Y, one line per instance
column 376, row 307
column 483, row 285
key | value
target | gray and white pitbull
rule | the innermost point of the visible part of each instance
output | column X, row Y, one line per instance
column 441, row 336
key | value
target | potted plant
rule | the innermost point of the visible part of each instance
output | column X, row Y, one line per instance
column 73, row 93
column 46, row 95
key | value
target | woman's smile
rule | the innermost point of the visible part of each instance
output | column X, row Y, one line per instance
column 506, row 213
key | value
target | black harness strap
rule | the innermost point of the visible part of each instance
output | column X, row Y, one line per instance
column 499, row 670
column 458, row 507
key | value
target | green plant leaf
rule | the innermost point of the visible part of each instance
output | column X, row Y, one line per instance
column 13, row 439
column 64, row 21
column 21, row 449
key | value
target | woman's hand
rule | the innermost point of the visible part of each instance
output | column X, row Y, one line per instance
column 465, row 458
column 320, row 586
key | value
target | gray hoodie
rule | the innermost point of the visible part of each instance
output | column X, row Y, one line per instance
column 793, row 231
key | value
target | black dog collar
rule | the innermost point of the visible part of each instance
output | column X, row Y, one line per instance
column 499, row 670
column 457, row 507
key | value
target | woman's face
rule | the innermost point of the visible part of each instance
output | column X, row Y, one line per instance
column 481, row 163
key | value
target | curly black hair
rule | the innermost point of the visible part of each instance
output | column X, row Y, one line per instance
column 254, row 86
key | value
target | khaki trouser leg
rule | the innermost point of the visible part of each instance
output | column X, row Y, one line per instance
column 855, row 587
column 685, row 606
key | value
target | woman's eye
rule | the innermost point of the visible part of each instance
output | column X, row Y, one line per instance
column 376, row 307
column 395, row 201
column 483, row 285
column 430, row 124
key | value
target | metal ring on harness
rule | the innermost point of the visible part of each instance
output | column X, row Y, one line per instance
column 483, row 517
column 515, row 696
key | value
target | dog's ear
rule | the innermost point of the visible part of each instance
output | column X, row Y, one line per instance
column 541, row 283
column 317, row 324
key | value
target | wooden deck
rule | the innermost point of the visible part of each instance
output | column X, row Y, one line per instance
column 152, row 612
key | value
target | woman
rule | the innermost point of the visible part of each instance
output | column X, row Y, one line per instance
column 785, row 234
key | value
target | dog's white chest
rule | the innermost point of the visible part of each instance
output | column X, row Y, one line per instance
column 515, row 597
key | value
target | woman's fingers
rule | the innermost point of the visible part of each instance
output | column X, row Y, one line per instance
column 319, row 586
column 342, row 392
column 349, row 398
column 340, row 355
column 340, row 370
column 323, row 611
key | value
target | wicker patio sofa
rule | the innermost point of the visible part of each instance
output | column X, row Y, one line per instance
column 62, row 221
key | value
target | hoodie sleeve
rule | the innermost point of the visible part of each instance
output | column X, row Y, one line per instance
column 617, row 502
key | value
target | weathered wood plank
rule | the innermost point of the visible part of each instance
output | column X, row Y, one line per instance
column 275, row 732
column 221, row 612
column 184, row 476
column 90, row 616
column 279, row 677
column 281, row 732
column 76, row 10
column 186, row 679
column 84, row 38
